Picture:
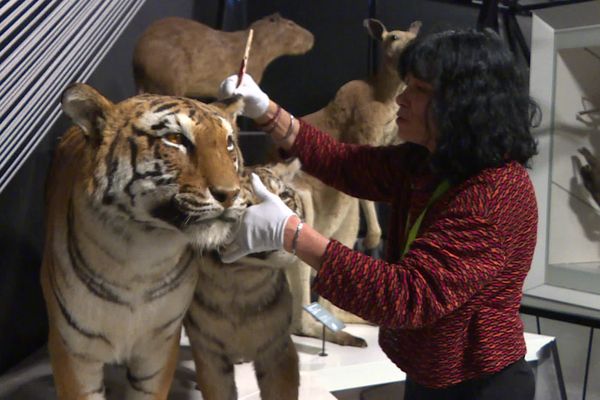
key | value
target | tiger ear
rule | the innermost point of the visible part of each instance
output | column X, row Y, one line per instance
column 86, row 107
column 232, row 106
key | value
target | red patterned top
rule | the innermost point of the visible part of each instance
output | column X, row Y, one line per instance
column 449, row 310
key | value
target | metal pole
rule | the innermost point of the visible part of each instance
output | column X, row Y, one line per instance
column 322, row 353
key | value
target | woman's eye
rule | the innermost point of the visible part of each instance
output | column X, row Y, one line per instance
column 174, row 138
column 230, row 143
column 424, row 88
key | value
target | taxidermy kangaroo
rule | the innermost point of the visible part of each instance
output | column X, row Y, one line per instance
column 362, row 112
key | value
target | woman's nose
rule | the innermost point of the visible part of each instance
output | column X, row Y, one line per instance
column 401, row 99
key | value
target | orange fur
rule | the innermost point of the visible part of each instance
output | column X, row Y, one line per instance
column 134, row 191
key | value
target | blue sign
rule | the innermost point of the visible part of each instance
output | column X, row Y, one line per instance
column 324, row 316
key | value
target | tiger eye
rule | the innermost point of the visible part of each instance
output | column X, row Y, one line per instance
column 230, row 143
column 173, row 138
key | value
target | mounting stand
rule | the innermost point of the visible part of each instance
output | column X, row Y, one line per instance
column 323, row 353
column 326, row 319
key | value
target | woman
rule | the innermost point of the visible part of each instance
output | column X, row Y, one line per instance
column 463, row 221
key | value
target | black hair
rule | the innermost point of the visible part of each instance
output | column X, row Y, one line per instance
column 480, row 104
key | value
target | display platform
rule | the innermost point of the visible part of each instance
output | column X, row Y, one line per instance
column 342, row 369
column 348, row 367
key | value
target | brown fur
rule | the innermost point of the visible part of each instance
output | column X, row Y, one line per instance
column 178, row 56
column 123, row 220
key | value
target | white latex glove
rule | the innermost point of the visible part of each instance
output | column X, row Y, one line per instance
column 261, row 228
column 256, row 101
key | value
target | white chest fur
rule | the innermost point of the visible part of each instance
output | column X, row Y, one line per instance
column 120, row 286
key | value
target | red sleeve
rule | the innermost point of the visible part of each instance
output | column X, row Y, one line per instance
column 451, row 260
column 366, row 172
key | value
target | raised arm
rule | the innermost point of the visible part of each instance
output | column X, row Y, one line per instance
column 363, row 171
column 367, row 172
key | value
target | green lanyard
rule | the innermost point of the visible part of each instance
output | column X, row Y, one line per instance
column 412, row 233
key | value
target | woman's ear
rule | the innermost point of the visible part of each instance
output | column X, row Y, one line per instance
column 86, row 107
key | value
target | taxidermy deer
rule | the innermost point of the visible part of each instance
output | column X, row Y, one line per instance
column 182, row 57
column 362, row 112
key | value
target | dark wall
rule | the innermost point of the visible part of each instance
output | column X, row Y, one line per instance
column 302, row 84
column 306, row 83
column 22, row 314
column 435, row 15
column 342, row 47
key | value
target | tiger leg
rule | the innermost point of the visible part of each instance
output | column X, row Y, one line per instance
column 277, row 372
column 75, row 377
column 214, row 375
column 150, row 373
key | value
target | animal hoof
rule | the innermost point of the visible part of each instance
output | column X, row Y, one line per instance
column 346, row 339
column 357, row 342
column 371, row 241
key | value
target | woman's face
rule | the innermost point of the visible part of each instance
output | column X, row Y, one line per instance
column 412, row 117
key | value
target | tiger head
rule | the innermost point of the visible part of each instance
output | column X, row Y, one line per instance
column 160, row 162
column 276, row 180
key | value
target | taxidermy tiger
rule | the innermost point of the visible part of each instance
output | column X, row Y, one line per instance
column 136, row 190
column 243, row 312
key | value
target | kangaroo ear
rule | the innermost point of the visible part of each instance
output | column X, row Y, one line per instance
column 415, row 27
column 86, row 108
column 232, row 106
column 375, row 28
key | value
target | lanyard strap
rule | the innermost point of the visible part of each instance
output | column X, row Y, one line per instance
column 412, row 233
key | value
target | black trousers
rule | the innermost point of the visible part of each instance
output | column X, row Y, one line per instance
column 515, row 382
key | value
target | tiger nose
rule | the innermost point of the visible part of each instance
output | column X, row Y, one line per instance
column 224, row 196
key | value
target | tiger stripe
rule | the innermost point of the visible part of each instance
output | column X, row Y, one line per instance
column 172, row 280
column 74, row 324
column 92, row 280
column 117, row 276
column 231, row 303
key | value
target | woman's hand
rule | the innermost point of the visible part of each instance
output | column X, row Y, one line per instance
column 261, row 228
column 256, row 101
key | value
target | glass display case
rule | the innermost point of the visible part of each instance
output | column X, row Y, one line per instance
column 565, row 81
